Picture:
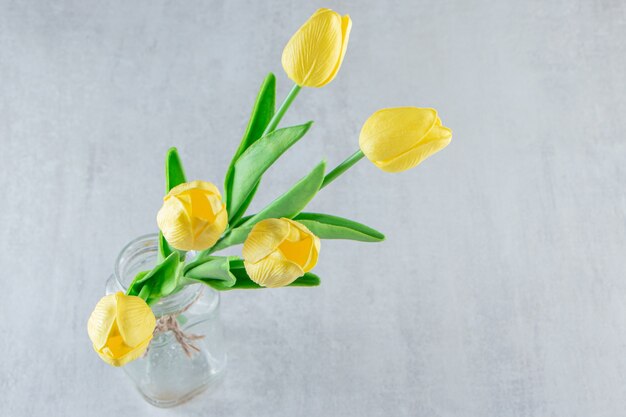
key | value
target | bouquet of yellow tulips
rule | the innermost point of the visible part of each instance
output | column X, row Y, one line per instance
column 281, row 243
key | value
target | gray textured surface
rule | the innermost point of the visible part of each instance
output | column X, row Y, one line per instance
column 500, row 290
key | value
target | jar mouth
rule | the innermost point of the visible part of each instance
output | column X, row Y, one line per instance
column 141, row 254
column 132, row 248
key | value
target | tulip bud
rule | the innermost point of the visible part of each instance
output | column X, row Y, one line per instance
column 120, row 328
column 400, row 138
column 277, row 251
column 193, row 216
column 313, row 55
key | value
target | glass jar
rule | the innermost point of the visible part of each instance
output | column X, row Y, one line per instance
column 165, row 375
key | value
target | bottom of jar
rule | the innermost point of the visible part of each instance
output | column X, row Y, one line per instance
column 168, row 403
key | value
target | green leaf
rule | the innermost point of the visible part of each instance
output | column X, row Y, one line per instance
column 326, row 226
column 145, row 291
column 244, row 281
column 245, row 218
column 165, row 249
column 236, row 218
column 213, row 271
column 161, row 279
column 293, row 201
column 253, row 163
column 174, row 173
column 309, row 279
column 135, row 284
column 262, row 113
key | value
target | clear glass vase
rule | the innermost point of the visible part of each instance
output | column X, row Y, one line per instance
column 166, row 376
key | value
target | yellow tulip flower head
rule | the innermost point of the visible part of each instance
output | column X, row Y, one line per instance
column 313, row 55
column 398, row 139
column 277, row 251
column 193, row 216
column 120, row 328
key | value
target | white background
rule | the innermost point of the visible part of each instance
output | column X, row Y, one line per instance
column 500, row 290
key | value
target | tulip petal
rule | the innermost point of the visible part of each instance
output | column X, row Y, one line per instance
column 216, row 205
column 175, row 224
column 346, row 27
column 437, row 139
column 320, row 11
column 312, row 54
column 197, row 184
column 264, row 238
column 207, row 232
column 274, row 271
column 101, row 321
column 389, row 133
column 115, row 346
column 201, row 204
column 297, row 251
column 313, row 255
column 206, row 236
column 306, row 251
column 130, row 355
column 135, row 319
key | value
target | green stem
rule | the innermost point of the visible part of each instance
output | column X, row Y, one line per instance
column 342, row 167
column 216, row 247
column 271, row 126
column 207, row 252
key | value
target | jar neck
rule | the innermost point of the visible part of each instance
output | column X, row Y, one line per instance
column 141, row 254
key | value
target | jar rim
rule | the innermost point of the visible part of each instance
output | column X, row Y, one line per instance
column 149, row 243
column 119, row 259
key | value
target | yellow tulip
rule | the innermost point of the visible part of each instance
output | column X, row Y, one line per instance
column 313, row 55
column 277, row 251
column 193, row 216
column 399, row 138
column 120, row 328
